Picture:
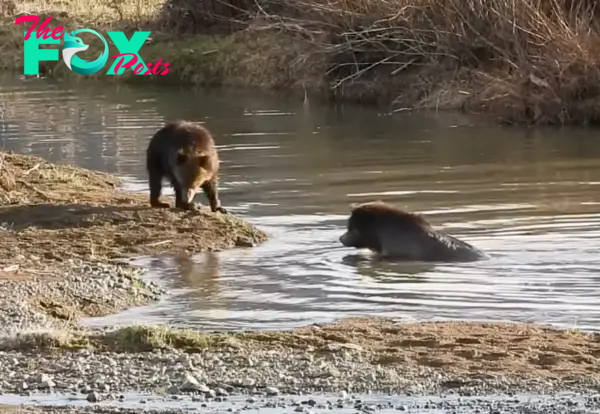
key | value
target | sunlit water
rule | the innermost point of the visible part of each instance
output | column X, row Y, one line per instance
column 385, row 404
column 529, row 198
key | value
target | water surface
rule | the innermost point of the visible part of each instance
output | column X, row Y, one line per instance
column 327, row 403
column 529, row 198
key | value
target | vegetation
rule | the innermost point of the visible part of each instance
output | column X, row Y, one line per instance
column 520, row 61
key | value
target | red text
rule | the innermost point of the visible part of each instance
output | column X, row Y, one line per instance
column 140, row 66
column 57, row 33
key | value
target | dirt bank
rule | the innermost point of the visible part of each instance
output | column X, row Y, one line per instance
column 61, row 225
column 519, row 62
column 57, row 212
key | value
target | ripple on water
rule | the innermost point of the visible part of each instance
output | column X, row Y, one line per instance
column 527, row 198
column 303, row 276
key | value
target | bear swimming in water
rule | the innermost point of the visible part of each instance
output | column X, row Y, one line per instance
column 398, row 234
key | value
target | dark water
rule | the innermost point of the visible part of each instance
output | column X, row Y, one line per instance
column 527, row 197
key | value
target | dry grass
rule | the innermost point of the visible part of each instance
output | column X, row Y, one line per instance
column 126, row 339
column 43, row 339
column 57, row 212
column 530, row 61
column 32, row 180
column 465, row 349
column 90, row 13
column 523, row 61
column 135, row 338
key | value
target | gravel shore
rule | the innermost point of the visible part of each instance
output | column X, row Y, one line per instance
column 353, row 356
column 214, row 373
column 83, row 289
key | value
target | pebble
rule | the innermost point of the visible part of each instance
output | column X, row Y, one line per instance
column 219, row 373
column 87, row 282
column 93, row 397
column 271, row 391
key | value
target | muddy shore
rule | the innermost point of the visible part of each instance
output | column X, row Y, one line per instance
column 62, row 257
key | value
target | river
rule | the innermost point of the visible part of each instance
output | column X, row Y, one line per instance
column 527, row 197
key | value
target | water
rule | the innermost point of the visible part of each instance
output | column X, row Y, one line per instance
column 529, row 198
column 380, row 403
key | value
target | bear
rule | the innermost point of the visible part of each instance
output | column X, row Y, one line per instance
column 395, row 233
column 185, row 154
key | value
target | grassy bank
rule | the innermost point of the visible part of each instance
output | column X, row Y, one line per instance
column 532, row 61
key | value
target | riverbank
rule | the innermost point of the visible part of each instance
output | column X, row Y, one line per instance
column 65, row 236
column 523, row 62
column 354, row 356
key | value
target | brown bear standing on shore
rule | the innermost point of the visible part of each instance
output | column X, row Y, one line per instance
column 186, row 155
column 398, row 234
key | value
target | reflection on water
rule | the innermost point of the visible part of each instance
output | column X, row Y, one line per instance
column 528, row 198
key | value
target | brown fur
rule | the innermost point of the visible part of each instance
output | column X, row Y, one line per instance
column 185, row 154
column 390, row 231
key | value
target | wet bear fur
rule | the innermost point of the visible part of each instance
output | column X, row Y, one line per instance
column 184, row 153
column 401, row 235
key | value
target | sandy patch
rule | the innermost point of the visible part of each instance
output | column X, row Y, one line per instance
column 460, row 347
